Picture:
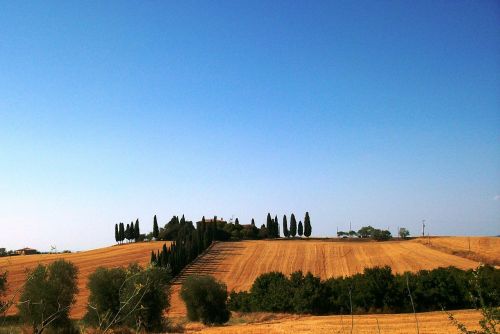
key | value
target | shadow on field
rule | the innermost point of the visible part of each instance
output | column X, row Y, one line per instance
column 210, row 261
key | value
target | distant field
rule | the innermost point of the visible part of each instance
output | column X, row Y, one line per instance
column 238, row 264
column 429, row 323
column 482, row 249
column 86, row 262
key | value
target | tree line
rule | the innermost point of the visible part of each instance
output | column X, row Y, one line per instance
column 223, row 230
column 376, row 290
column 370, row 232
column 187, row 243
column 130, row 233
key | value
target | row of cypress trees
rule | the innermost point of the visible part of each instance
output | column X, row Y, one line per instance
column 302, row 229
column 131, row 232
column 211, row 230
column 188, row 244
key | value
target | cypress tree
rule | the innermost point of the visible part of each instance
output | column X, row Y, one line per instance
column 293, row 226
column 237, row 222
column 286, row 233
column 276, row 227
column 153, row 258
column 121, row 232
column 301, row 229
column 269, row 226
column 117, row 235
column 137, row 230
column 131, row 231
column 127, row 232
column 156, row 232
column 307, row 225
column 253, row 222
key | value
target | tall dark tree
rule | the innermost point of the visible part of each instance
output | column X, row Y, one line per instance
column 293, row 226
column 156, row 231
column 127, row 232
column 300, row 229
column 236, row 222
column 117, row 235
column 307, row 225
column 276, row 227
column 269, row 226
column 253, row 222
column 122, row 232
column 137, row 230
column 132, row 230
column 286, row 233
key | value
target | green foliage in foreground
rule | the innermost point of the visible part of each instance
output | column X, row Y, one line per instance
column 47, row 297
column 205, row 299
column 375, row 290
column 133, row 297
column 3, row 287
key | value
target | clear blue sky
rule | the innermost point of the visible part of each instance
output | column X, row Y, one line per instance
column 376, row 112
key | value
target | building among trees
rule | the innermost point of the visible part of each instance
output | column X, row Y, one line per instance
column 26, row 251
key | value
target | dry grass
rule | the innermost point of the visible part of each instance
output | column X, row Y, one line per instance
column 429, row 323
column 482, row 249
column 86, row 262
column 238, row 264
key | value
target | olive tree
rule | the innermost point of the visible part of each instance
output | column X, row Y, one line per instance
column 48, row 295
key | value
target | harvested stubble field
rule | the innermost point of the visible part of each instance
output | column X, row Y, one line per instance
column 87, row 262
column 238, row 264
column 482, row 249
column 429, row 323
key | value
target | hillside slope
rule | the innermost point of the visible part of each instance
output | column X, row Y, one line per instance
column 238, row 264
column 482, row 249
column 86, row 262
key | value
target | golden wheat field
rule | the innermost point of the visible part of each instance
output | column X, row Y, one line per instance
column 86, row 262
column 428, row 323
column 238, row 264
column 486, row 250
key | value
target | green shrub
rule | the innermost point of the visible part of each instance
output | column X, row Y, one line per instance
column 272, row 292
column 376, row 290
column 104, row 285
column 134, row 297
column 3, row 287
column 206, row 299
column 47, row 296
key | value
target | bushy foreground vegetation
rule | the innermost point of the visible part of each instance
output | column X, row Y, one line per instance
column 120, row 298
column 134, row 297
column 47, row 296
column 375, row 290
column 205, row 299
